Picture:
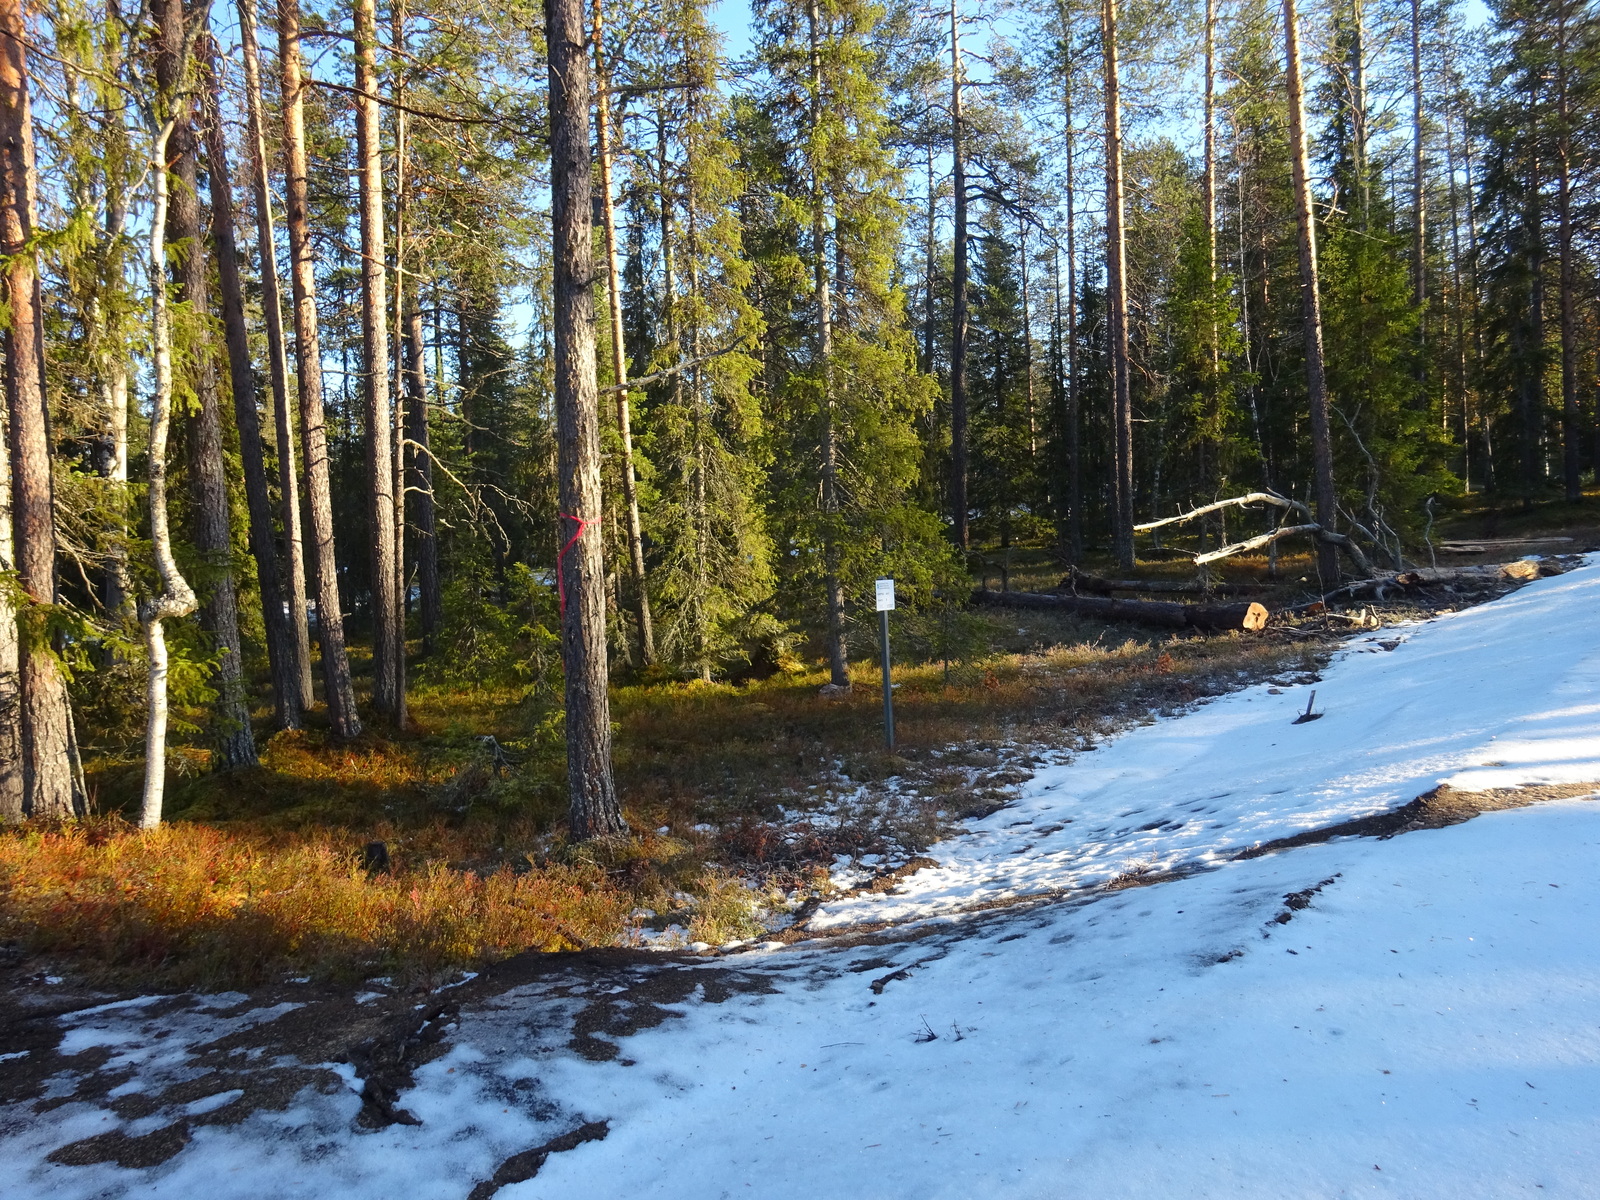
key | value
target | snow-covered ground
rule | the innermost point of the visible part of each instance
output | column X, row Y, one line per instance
column 1425, row 1021
column 1495, row 696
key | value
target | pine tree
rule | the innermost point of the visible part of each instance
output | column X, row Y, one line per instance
column 45, row 718
column 595, row 809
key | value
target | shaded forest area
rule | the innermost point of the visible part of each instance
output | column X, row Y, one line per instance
column 477, row 432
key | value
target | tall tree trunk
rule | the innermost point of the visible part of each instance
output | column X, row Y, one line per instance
column 176, row 598
column 1528, row 339
column 1209, row 184
column 398, row 423
column 1458, row 306
column 337, row 688
column 277, row 358
column 1570, row 416
column 1358, row 54
column 1074, row 450
column 208, row 489
column 595, row 809
column 619, row 360
column 430, row 598
column 11, row 789
column 822, row 292
column 414, row 475
column 388, row 641
column 958, row 299
column 1310, row 303
column 1419, row 281
column 1117, row 297
column 281, row 654
column 45, row 724
column 930, row 246
column 1027, row 335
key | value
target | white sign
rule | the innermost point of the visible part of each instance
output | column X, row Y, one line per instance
column 885, row 595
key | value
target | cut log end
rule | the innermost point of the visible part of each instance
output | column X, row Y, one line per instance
column 1255, row 618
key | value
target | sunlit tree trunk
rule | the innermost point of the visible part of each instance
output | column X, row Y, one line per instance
column 176, row 598
column 958, row 300
column 595, row 809
column 44, row 723
column 388, row 641
column 281, row 654
column 1117, row 298
column 11, row 790
column 208, row 489
column 1310, row 303
column 339, row 693
column 619, row 361
column 1567, row 266
column 822, row 293
column 277, row 359
column 1419, row 201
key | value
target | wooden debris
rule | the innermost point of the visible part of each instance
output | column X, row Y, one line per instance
column 1353, row 551
column 1485, row 545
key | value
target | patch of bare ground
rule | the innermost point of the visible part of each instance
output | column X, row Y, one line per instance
column 1443, row 806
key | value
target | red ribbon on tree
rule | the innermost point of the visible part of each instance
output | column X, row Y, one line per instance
column 561, row 581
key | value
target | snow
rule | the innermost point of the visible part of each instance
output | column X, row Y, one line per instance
column 1435, row 1032
column 1425, row 1023
column 1500, row 695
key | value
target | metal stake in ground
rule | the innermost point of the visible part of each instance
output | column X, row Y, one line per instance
column 885, row 603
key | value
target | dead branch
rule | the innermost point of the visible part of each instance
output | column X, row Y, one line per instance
column 1233, row 502
column 1255, row 543
column 1352, row 550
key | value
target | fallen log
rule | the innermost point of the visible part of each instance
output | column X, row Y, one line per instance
column 1483, row 547
column 1165, row 613
column 1084, row 582
column 1484, row 575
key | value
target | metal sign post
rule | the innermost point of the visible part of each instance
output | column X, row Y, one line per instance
column 885, row 604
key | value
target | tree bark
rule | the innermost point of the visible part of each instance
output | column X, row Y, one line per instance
column 958, row 300
column 1310, row 303
column 281, row 652
column 619, row 361
column 430, row 599
column 838, row 662
column 1419, row 280
column 398, row 422
column 11, row 789
column 1358, row 54
column 595, row 809
column 388, row 641
column 176, row 598
column 1570, row 416
column 1074, row 431
column 337, row 688
column 45, row 719
column 1117, row 298
column 278, row 365
column 208, row 489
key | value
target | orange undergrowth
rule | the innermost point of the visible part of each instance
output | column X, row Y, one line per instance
column 186, row 905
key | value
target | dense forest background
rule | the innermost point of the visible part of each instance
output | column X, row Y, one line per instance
column 896, row 292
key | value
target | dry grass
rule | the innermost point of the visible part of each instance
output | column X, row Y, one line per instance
column 187, row 905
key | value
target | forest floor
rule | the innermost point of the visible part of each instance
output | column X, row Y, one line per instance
column 753, row 802
column 1218, row 950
